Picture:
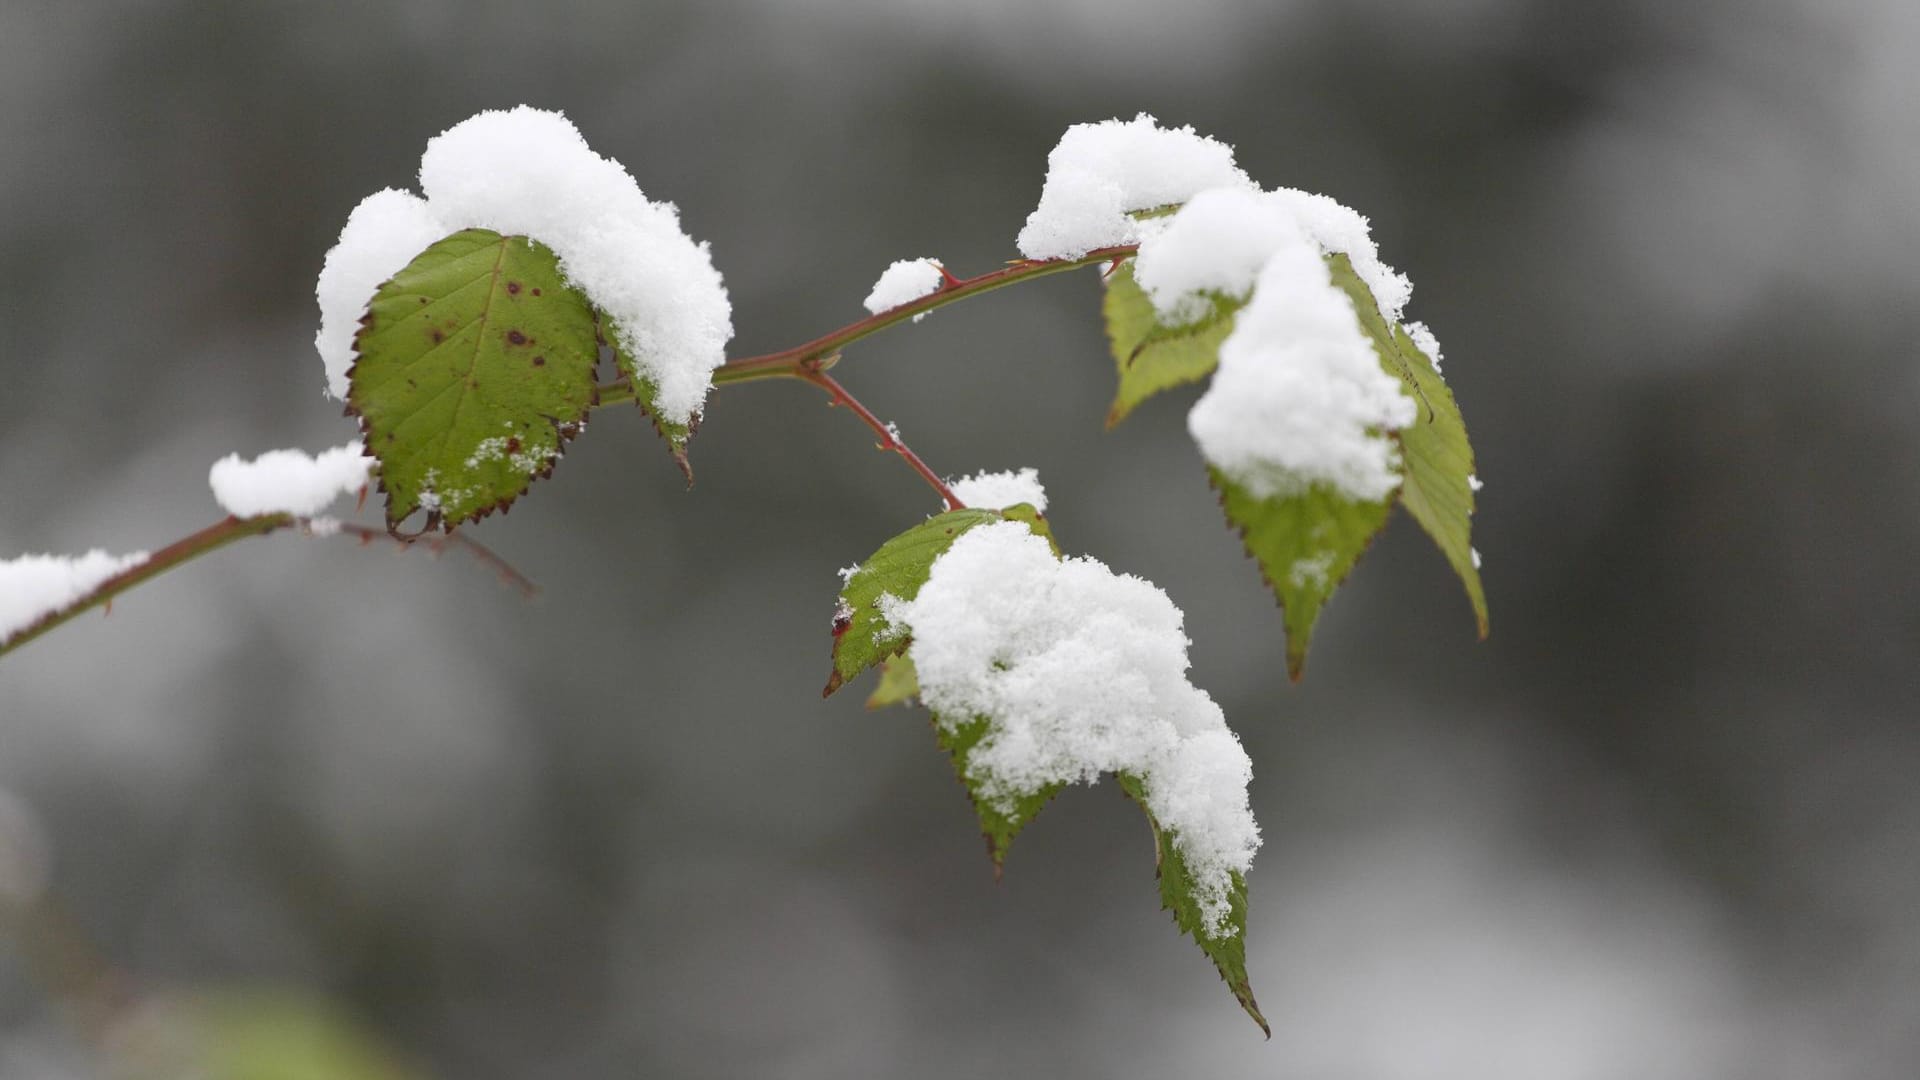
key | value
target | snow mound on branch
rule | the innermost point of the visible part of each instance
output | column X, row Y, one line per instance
column 1081, row 671
column 904, row 282
column 1099, row 175
column 35, row 586
column 998, row 490
column 528, row 172
column 288, row 481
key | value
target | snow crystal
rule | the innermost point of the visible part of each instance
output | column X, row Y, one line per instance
column 323, row 526
column 1080, row 671
column 35, row 586
column 1099, row 174
column 996, row 490
column 529, row 172
column 287, row 481
column 1299, row 397
column 1219, row 241
column 904, row 282
column 1473, row 482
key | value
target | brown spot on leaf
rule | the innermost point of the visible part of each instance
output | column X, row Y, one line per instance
column 516, row 337
column 536, row 290
column 539, row 361
column 513, row 288
column 437, row 335
column 513, row 445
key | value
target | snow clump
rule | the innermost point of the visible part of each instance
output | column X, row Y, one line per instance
column 288, row 481
column 998, row 490
column 528, row 172
column 1081, row 671
column 1099, row 175
column 904, row 282
column 35, row 586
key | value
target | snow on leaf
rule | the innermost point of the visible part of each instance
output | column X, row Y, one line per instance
column 1436, row 458
column 475, row 365
column 1000, row 819
column 1228, row 951
column 1150, row 356
column 864, row 637
column 646, row 395
column 1305, row 544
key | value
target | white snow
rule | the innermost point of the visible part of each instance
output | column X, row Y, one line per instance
column 34, row 586
column 1080, row 671
column 287, row 481
column 529, row 172
column 904, row 282
column 1219, row 241
column 1299, row 397
column 998, row 490
column 1098, row 174
column 1424, row 340
column 382, row 235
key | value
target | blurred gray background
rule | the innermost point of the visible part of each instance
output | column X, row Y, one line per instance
column 1663, row 824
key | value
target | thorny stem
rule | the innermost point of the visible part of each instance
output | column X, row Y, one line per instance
column 789, row 363
column 807, row 362
column 815, row 373
column 182, row 551
column 226, row 531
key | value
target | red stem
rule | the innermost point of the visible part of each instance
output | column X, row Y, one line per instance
column 889, row 438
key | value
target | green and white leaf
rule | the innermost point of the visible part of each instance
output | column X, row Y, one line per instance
column 862, row 636
column 645, row 394
column 1228, row 951
column 1436, row 458
column 1150, row 356
column 1305, row 545
column 1000, row 820
column 475, row 364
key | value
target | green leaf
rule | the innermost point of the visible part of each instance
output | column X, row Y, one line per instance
column 1436, row 457
column 899, row 683
column 862, row 637
column 281, row 1035
column 1305, row 545
column 1228, row 951
column 644, row 395
column 1034, row 520
column 1000, row 821
column 1151, row 357
column 475, row 366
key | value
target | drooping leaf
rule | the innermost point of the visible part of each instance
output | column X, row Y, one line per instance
column 1000, row 821
column 475, row 366
column 1305, row 544
column 1150, row 356
column 645, row 394
column 1436, row 457
column 1227, row 951
column 862, row 636
column 899, row 683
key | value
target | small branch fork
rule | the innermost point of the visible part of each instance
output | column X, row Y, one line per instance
column 807, row 362
column 815, row 373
